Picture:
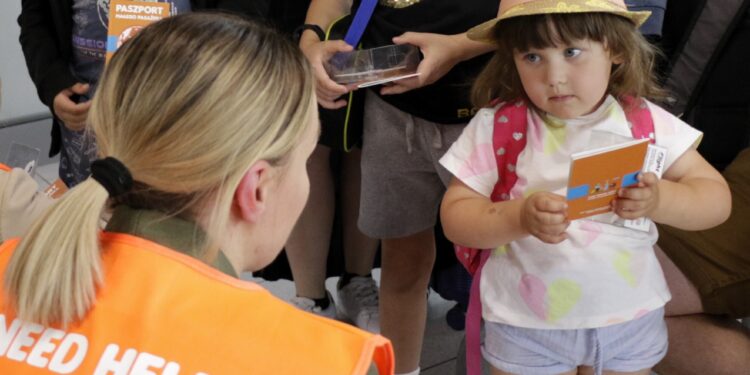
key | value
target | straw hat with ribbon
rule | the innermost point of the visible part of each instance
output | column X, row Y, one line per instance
column 518, row 8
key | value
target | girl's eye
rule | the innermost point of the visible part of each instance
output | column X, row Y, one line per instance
column 532, row 57
column 572, row 52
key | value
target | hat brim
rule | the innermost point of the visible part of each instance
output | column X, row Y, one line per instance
column 483, row 32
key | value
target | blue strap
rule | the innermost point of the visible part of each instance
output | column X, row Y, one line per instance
column 360, row 21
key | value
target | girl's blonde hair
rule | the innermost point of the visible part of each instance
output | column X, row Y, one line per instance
column 187, row 106
column 635, row 76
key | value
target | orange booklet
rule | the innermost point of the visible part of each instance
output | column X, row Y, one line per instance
column 596, row 175
column 127, row 18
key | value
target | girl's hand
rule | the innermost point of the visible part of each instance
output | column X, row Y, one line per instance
column 326, row 89
column 544, row 216
column 441, row 53
column 639, row 200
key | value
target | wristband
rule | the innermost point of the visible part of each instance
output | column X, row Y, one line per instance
column 297, row 34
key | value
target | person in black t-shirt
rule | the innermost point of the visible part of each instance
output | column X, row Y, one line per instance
column 408, row 125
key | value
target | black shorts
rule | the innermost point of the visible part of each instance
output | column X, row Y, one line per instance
column 341, row 129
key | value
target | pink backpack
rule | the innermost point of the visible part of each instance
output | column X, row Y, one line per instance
column 508, row 140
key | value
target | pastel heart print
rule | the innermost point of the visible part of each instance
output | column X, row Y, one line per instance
column 479, row 162
column 562, row 296
column 520, row 186
column 533, row 292
column 501, row 250
column 518, row 104
column 536, row 133
column 617, row 114
column 612, row 321
column 503, row 119
column 549, row 304
column 501, row 151
column 522, row 181
column 554, row 139
column 517, row 136
column 511, row 167
column 592, row 229
column 630, row 266
column 527, row 193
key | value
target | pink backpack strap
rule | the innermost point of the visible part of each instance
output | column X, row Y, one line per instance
column 508, row 141
column 639, row 117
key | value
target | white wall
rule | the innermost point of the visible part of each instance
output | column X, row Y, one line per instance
column 19, row 97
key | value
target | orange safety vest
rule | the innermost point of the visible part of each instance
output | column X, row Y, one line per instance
column 163, row 312
column 4, row 167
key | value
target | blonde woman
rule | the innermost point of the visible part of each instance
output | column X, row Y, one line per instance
column 204, row 125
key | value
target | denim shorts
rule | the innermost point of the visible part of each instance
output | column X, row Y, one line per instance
column 626, row 347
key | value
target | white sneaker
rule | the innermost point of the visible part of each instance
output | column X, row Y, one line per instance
column 358, row 302
column 308, row 304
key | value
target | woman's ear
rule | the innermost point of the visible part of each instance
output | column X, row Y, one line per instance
column 251, row 195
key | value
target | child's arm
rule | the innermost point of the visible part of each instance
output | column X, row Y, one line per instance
column 691, row 196
column 472, row 220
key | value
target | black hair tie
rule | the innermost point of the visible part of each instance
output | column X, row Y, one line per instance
column 112, row 175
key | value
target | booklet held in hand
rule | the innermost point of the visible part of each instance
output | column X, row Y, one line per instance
column 596, row 176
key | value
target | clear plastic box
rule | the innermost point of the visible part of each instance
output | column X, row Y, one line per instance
column 373, row 66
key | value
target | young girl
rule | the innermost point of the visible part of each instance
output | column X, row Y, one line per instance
column 563, row 296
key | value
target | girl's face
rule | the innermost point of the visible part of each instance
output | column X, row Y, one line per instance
column 565, row 81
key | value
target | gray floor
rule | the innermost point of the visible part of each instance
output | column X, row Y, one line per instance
column 441, row 342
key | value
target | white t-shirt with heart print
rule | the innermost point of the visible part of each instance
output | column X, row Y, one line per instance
column 602, row 274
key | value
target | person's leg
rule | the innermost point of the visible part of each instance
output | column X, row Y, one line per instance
column 704, row 344
column 357, row 291
column 307, row 247
column 406, row 266
column 401, row 192
column 359, row 249
column 699, row 343
column 685, row 297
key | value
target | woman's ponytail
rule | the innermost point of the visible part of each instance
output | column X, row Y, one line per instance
column 54, row 271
